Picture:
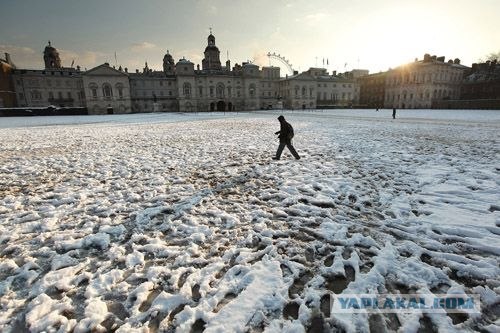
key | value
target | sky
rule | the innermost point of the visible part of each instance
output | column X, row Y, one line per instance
column 347, row 34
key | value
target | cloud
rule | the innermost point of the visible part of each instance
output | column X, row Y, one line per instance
column 260, row 58
column 138, row 47
column 207, row 7
column 85, row 59
column 312, row 19
column 23, row 56
column 212, row 10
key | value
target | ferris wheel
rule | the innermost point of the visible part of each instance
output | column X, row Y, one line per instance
column 282, row 60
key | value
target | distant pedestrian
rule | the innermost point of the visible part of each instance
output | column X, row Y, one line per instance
column 285, row 134
column 394, row 113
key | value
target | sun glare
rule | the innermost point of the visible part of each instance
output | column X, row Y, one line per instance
column 399, row 35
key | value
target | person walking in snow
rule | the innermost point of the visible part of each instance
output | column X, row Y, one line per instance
column 394, row 113
column 285, row 134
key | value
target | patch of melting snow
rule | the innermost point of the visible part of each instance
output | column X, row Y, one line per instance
column 185, row 223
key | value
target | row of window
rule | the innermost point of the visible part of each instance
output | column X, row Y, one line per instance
column 436, row 94
column 48, row 82
column 219, row 90
column 151, row 83
column 37, row 95
column 334, row 97
column 152, row 93
column 107, row 90
column 424, row 78
column 335, row 85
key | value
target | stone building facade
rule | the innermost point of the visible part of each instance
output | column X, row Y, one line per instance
column 180, row 86
column 7, row 93
column 482, row 82
column 421, row 84
column 54, row 85
column 372, row 90
column 107, row 90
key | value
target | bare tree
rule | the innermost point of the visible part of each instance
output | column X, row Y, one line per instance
column 492, row 56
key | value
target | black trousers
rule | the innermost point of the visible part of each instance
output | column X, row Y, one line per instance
column 289, row 145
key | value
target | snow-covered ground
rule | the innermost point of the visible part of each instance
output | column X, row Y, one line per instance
column 175, row 222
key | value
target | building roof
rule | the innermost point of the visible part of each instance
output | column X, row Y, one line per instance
column 104, row 69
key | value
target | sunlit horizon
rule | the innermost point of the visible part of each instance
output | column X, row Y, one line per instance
column 337, row 35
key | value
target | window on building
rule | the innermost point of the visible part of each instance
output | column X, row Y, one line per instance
column 251, row 90
column 186, row 89
column 51, row 95
column 119, row 88
column 211, row 91
column 107, row 92
column 60, row 95
column 220, row 90
column 69, row 95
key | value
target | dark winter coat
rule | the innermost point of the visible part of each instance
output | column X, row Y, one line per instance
column 286, row 130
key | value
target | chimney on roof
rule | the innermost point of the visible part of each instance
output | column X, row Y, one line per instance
column 440, row 59
column 456, row 61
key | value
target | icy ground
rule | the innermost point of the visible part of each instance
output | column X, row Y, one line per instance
column 162, row 223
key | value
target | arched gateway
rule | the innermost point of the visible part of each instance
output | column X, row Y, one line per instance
column 221, row 106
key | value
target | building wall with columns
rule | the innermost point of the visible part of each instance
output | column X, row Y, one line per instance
column 153, row 91
column 107, row 90
column 372, row 90
column 298, row 91
column 422, row 83
column 61, row 87
column 269, row 88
